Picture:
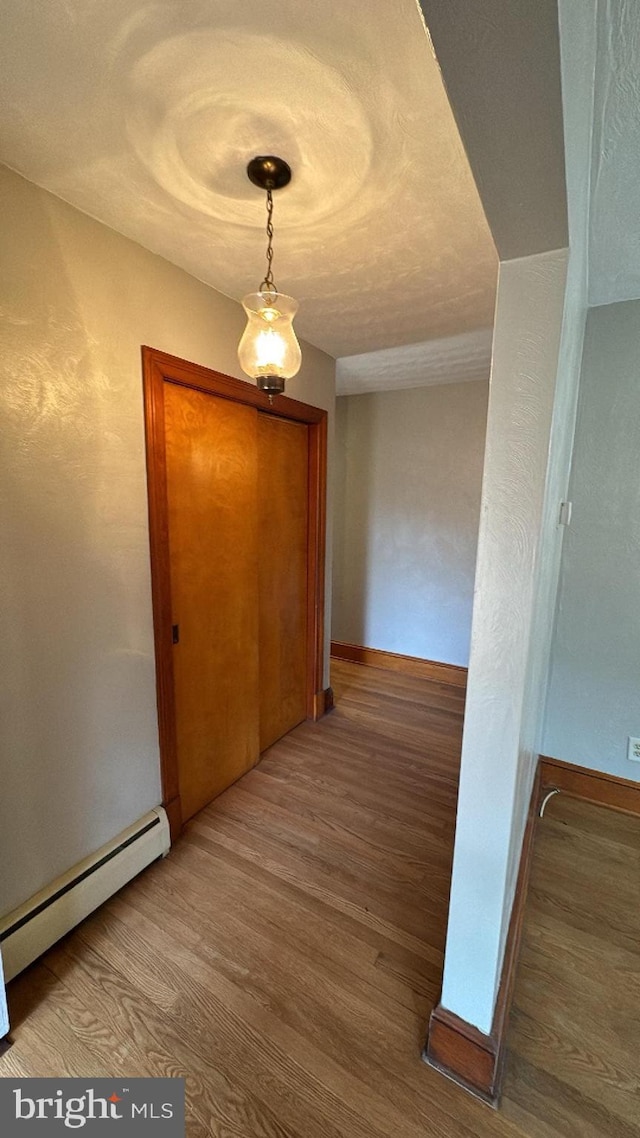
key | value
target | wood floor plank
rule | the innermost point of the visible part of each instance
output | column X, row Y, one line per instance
column 333, row 848
column 574, row 1062
column 265, row 910
column 170, row 1044
column 285, row 957
column 415, row 844
column 343, row 894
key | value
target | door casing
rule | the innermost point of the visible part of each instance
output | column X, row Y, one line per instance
column 159, row 368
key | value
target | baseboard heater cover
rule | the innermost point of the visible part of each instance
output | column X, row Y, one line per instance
column 31, row 929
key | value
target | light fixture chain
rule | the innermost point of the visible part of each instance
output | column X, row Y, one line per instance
column 268, row 284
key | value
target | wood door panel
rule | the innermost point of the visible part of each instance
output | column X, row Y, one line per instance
column 283, row 472
column 212, row 479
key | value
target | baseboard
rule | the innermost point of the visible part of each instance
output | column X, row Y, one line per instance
column 464, row 1054
column 173, row 810
column 322, row 703
column 458, row 1049
column 32, row 928
column 591, row 786
column 410, row 665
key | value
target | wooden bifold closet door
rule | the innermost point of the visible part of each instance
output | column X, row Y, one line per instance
column 237, row 499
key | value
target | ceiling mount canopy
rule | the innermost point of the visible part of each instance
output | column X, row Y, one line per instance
column 269, row 351
column 269, row 172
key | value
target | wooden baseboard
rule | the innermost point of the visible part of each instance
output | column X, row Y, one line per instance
column 322, row 703
column 410, row 665
column 464, row 1054
column 458, row 1049
column 591, row 786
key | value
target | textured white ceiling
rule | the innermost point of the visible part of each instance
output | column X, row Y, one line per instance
column 453, row 359
column 145, row 114
column 614, row 253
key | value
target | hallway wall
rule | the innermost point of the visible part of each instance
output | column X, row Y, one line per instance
column 79, row 746
column 407, row 507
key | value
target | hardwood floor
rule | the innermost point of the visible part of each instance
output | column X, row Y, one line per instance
column 285, row 957
column 574, row 1040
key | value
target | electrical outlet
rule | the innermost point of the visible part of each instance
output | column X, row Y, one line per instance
column 633, row 752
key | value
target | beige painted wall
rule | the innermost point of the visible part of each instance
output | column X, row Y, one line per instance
column 407, row 507
column 79, row 747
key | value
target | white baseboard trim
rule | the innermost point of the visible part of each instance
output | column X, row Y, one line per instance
column 32, row 928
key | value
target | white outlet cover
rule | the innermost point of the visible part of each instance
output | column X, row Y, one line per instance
column 633, row 751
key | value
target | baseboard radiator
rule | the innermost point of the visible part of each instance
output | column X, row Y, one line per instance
column 31, row 929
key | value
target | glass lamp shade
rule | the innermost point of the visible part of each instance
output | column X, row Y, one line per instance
column 269, row 351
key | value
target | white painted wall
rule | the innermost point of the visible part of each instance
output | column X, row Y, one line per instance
column 614, row 253
column 496, row 760
column 594, row 690
column 578, row 48
column 531, row 425
column 407, row 506
column 79, row 747
column 592, row 703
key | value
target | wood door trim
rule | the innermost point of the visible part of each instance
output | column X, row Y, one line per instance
column 159, row 368
column 324, row 703
column 212, row 382
column 153, row 385
column 316, row 544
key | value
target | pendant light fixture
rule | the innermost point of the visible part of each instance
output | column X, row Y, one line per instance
column 269, row 351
